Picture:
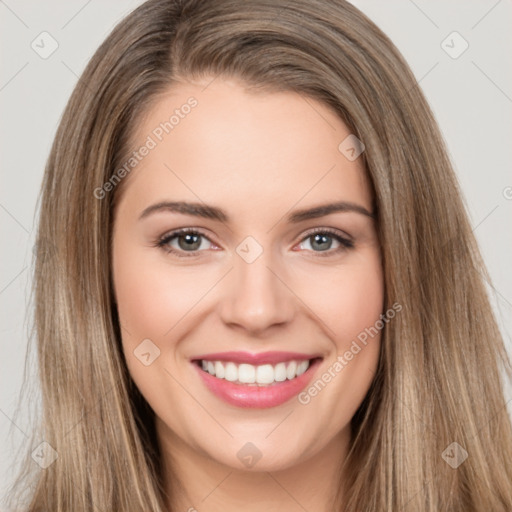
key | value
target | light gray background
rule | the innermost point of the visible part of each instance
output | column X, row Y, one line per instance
column 471, row 97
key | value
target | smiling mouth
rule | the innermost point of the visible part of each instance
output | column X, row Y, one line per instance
column 263, row 375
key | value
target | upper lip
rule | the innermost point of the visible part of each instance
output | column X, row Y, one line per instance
column 273, row 357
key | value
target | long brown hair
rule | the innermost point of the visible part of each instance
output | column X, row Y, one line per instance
column 438, row 380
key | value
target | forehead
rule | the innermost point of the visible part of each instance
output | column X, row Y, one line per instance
column 218, row 142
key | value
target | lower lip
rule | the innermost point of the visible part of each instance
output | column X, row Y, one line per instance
column 257, row 397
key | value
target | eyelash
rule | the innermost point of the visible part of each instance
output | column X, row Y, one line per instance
column 165, row 239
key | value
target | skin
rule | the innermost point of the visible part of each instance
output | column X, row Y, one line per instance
column 259, row 156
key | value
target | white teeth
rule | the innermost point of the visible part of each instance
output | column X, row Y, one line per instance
column 219, row 370
column 302, row 367
column 231, row 372
column 247, row 373
column 264, row 374
column 291, row 370
column 280, row 372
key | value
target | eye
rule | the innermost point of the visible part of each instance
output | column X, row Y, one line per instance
column 321, row 238
column 191, row 241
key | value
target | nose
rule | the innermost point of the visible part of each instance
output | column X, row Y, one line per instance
column 257, row 296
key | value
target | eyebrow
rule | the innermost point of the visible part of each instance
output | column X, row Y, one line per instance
column 215, row 213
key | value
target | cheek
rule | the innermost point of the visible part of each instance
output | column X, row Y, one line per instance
column 363, row 301
column 349, row 299
column 151, row 297
column 350, row 306
column 149, row 304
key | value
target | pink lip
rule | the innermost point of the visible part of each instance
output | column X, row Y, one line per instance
column 258, row 397
column 273, row 357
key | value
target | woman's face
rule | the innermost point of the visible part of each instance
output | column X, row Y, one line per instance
column 272, row 295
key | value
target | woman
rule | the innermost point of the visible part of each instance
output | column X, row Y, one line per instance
column 267, row 367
